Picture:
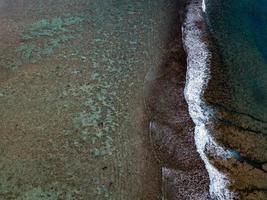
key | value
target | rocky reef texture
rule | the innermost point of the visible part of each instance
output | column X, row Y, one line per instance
column 237, row 130
column 243, row 135
column 236, row 146
column 237, row 92
column 198, row 74
column 171, row 128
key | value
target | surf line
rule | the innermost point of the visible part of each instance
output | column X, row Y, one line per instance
column 197, row 77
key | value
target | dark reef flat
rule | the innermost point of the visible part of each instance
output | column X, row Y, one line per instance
column 171, row 128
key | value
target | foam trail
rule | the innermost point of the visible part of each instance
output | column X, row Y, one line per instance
column 203, row 5
column 196, row 81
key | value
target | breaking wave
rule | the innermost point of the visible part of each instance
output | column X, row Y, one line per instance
column 197, row 78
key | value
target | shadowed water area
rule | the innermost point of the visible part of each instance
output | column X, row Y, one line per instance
column 238, row 90
column 86, row 87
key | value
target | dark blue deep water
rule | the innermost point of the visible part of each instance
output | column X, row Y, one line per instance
column 239, row 28
column 238, row 92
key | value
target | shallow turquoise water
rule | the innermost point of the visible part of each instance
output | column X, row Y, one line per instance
column 240, row 31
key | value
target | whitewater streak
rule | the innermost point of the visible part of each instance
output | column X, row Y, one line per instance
column 197, row 77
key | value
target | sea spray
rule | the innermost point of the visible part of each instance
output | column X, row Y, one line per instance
column 197, row 77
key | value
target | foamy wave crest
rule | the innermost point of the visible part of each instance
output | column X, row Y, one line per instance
column 197, row 77
column 204, row 5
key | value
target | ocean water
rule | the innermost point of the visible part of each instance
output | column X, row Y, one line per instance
column 237, row 93
column 240, row 31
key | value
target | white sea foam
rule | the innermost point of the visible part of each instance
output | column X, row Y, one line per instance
column 197, row 77
column 203, row 5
